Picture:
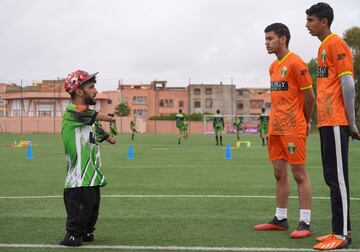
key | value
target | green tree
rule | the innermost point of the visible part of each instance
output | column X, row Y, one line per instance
column 312, row 66
column 352, row 38
column 122, row 109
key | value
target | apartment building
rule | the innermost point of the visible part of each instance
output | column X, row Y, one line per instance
column 46, row 98
column 146, row 100
column 210, row 97
column 250, row 101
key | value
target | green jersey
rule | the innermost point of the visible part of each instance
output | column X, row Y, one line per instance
column 179, row 120
column 264, row 120
column 238, row 124
column 132, row 124
column 81, row 136
column 218, row 121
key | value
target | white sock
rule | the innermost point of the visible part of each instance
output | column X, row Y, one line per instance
column 281, row 213
column 305, row 215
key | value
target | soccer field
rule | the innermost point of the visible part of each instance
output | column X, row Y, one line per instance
column 170, row 197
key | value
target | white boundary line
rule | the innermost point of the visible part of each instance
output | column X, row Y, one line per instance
column 172, row 248
column 167, row 196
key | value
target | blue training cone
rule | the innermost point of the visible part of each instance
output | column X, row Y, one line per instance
column 130, row 152
column 29, row 150
column 228, row 152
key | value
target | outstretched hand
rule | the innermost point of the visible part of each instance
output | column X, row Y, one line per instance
column 111, row 140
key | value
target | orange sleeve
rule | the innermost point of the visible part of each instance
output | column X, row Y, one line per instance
column 301, row 75
column 342, row 58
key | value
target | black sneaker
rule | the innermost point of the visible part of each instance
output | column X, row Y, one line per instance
column 274, row 224
column 89, row 237
column 302, row 231
column 71, row 241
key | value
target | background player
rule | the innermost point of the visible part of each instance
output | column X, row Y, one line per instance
column 133, row 128
column 179, row 124
column 292, row 104
column 336, row 120
column 218, row 124
column 239, row 127
column 263, row 126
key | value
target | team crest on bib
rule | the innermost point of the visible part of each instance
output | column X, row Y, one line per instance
column 284, row 71
column 291, row 148
column 323, row 55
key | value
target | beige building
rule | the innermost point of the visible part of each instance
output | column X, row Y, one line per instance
column 249, row 101
column 207, row 98
column 231, row 101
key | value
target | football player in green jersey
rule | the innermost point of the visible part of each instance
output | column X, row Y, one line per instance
column 81, row 133
column 218, row 124
column 179, row 124
column 263, row 126
column 239, row 127
column 133, row 128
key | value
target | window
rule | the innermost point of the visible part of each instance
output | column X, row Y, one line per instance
column 15, row 113
column 254, row 104
column 2, row 101
column 208, row 103
column 15, row 108
column 197, row 104
column 44, row 110
column 267, row 105
column 208, row 91
column 139, row 100
column 166, row 103
column 2, row 113
column 197, row 91
column 240, row 92
column 181, row 104
column 140, row 112
column 44, row 113
column 240, row 105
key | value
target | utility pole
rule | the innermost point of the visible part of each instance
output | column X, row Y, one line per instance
column 21, row 108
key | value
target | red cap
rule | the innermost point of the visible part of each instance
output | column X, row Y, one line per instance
column 76, row 79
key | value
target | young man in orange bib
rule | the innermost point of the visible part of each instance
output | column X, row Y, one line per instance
column 292, row 104
column 336, row 120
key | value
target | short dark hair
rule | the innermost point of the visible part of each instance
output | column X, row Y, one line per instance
column 218, row 111
column 280, row 30
column 321, row 10
column 180, row 110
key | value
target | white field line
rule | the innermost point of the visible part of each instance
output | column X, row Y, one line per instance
column 168, row 196
column 161, row 248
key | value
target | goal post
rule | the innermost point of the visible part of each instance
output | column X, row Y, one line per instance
column 250, row 124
